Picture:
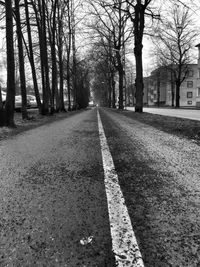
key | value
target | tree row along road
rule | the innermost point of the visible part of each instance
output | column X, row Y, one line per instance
column 53, row 204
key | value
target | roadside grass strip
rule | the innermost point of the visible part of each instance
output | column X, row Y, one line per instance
column 124, row 243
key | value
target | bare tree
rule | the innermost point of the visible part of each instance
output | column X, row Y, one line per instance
column 103, row 61
column 174, row 40
column 50, row 17
column 52, row 28
column 10, row 97
column 112, row 28
column 138, row 10
column 60, row 46
column 21, row 61
column 31, row 56
column 100, row 82
column 40, row 7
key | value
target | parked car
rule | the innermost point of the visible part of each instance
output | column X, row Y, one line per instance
column 91, row 104
column 32, row 100
column 3, row 95
column 18, row 103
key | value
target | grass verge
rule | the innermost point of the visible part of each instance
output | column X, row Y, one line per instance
column 35, row 120
column 178, row 126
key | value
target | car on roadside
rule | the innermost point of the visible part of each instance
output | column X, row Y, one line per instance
column 3, row 96
column 32, row 100
column 18, row 103
column 91, row 104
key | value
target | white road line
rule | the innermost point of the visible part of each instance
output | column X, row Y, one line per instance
column 124, row 243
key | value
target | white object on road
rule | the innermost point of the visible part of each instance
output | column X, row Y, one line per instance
column 124, row 242
column 86, row 240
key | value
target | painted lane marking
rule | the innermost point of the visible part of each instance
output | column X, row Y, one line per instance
column 124, row 243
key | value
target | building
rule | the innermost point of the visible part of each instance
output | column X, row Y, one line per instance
column 156, row 87
column 159, row 88
column 198, row 78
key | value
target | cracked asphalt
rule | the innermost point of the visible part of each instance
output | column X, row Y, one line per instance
column 53, row 209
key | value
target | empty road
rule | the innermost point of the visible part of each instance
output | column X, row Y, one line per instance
column 99, row 189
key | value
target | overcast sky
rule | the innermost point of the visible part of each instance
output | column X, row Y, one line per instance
column 148, row 62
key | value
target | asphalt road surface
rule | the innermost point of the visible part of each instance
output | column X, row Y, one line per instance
column 191, row 114
column 58, row 202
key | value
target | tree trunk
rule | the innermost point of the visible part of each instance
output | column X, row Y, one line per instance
column 177, row 94
column 113, row 92
column 139, row 81
column 68, row 55
column 138, row 35
column 121, row 104
column 54, row 75
column 61, row 98
column 172, row 88
column 121, row 79
column 76, row 89
column 41, row 24
column 172, row 92
column 10, row 97
column 74, row 73
column 39, row 15
column 45, row 51
column 60, row 59
column 31, row 58
column 110, row 92
column 158, row 89
column 21, row 62
column 52, row 39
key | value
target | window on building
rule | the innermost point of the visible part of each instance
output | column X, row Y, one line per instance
column 189, row 95
column 190, row 73
column 198, row 91
column 189, row 102
column 189, row 84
